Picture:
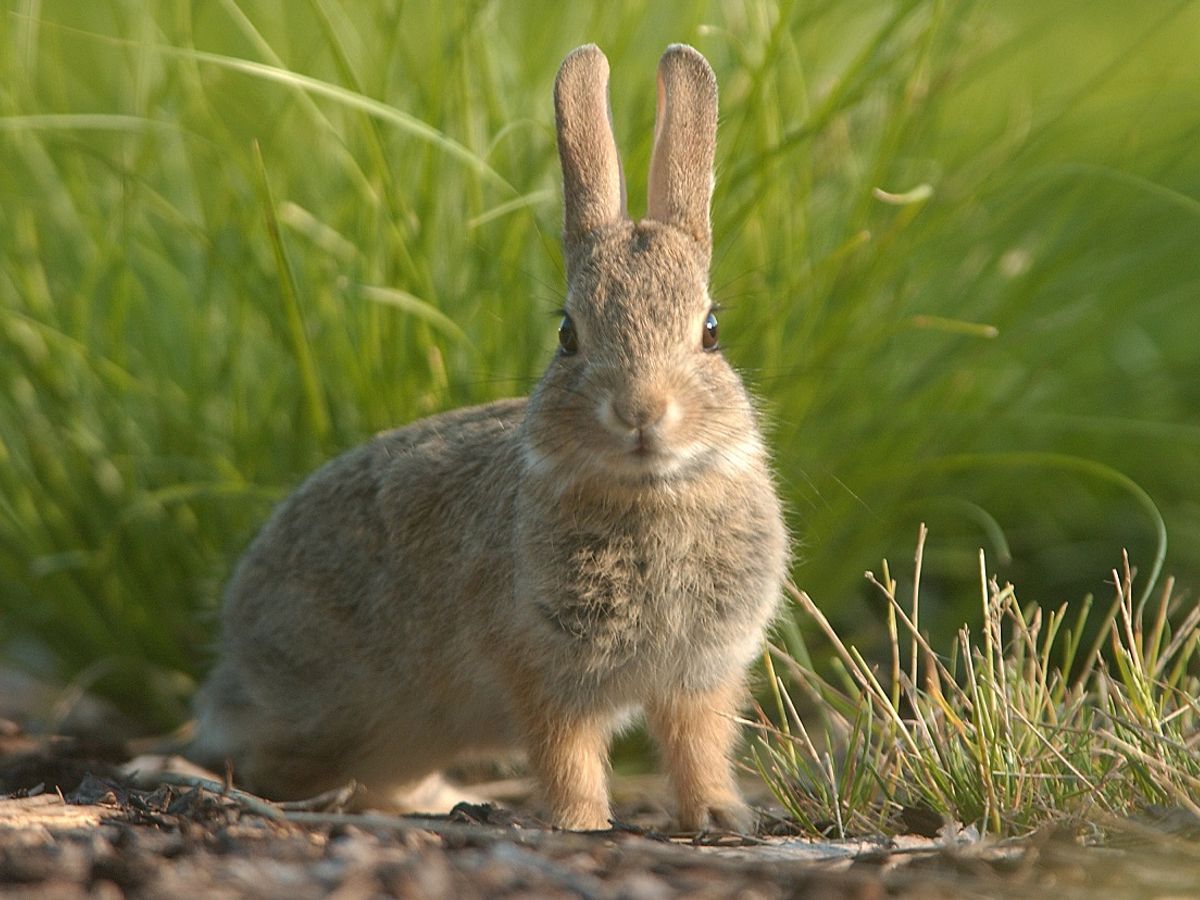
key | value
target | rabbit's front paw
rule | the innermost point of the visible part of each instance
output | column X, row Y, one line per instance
column 583, row 816
column 568, row 754
column 723, row 814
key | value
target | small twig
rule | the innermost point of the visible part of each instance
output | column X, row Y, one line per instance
column 722, row 839
column 330, row 801
column 246, row 801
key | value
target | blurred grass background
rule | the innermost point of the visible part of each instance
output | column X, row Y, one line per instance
column 957, row 244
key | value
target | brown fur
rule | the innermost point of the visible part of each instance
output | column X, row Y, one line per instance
column 525, row 575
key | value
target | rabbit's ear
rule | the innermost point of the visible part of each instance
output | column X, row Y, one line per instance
column 593, row 187
column 685, row 140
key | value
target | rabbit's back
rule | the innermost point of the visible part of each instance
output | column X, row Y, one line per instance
column 356, row 614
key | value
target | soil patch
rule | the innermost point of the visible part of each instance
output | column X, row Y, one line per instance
column 72, row 824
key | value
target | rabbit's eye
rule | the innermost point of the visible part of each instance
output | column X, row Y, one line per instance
column 566, row 336
column 709, row 341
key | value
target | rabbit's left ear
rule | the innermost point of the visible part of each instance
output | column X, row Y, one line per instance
column 685, row 140
column 681, row 186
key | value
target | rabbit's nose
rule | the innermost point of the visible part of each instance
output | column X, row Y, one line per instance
column 637, row 412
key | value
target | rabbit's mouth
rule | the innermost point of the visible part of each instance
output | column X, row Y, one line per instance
column 646, row 454
column 652, row 447
column 645, row 451
column 649, row 456
column 644, row 445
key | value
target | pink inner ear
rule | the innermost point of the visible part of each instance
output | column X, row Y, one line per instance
column 680, row 185
column 656, row 201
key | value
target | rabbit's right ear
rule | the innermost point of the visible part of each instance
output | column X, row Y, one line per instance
column 593, row 187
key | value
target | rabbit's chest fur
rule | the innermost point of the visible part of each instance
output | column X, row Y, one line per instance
column 653, row 590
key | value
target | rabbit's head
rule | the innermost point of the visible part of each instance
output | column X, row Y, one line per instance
column 639, row 390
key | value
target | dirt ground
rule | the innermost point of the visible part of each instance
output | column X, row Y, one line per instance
column 74, row 824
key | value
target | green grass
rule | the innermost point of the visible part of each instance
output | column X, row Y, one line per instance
column 955, row 241
column 1030, row 724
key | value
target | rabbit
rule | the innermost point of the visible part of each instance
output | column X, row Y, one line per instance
column 529, row 574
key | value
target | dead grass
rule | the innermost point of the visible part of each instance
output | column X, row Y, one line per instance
column 1043, row 718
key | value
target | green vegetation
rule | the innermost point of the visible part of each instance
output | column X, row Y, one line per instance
column 956, row 245
column 1021, row 726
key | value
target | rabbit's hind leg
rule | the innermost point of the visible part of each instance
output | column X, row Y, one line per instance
column 259, row 750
